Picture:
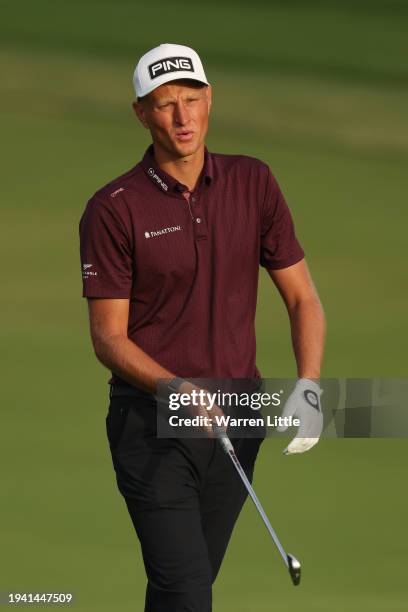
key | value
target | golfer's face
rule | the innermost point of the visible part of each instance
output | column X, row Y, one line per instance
column 177, row 117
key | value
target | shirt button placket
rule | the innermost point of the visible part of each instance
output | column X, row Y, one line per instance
column 200, row 229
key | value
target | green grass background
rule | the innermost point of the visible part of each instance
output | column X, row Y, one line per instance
column 320, row 91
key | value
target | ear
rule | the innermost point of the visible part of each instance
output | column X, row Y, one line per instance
column 208, row 93
column 140, row 113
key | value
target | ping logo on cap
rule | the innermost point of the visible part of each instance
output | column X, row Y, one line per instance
column 170, row 64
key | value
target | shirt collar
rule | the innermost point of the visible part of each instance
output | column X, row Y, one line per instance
column 169, row 184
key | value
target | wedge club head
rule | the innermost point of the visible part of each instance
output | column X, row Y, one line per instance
column 294, row 569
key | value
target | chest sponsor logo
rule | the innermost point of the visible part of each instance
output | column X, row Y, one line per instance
column 163, row 231
column 156, row 177
column 170, row 64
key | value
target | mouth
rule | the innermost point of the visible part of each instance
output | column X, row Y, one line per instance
column 184, row 136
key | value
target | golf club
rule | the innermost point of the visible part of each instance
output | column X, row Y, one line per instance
column 290, row 561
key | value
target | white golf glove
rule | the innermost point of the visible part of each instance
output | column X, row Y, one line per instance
column 304, row 403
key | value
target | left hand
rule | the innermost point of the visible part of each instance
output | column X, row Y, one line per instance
column 304, row 403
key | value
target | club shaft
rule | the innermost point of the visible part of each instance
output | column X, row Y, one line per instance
column 229, row 449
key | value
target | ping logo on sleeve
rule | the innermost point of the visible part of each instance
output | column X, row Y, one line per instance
column 170, row 64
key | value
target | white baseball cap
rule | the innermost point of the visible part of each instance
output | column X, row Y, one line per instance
column 166, row 63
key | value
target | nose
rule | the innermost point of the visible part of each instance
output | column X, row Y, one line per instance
column 181, row 114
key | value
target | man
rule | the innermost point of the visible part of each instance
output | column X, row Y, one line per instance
column 170, row 257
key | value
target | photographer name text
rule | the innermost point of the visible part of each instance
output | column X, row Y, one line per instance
column 228, row 421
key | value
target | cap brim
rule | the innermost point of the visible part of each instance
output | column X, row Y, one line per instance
column 180, row 76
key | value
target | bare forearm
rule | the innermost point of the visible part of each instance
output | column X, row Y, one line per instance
column 123, row 357
column 308, row 327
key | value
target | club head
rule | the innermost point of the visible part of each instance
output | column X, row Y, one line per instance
column 294, row 569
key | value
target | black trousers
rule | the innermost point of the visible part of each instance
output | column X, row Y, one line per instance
column 183, row 496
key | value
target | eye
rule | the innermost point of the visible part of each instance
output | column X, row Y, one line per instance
column 165, row 104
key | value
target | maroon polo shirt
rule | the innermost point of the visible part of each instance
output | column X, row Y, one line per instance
column 189, row 266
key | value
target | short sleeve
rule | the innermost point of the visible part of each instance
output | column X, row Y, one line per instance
column 106, row 252
column 279, row 245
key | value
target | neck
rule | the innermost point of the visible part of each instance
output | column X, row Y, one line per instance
column 186, row 170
